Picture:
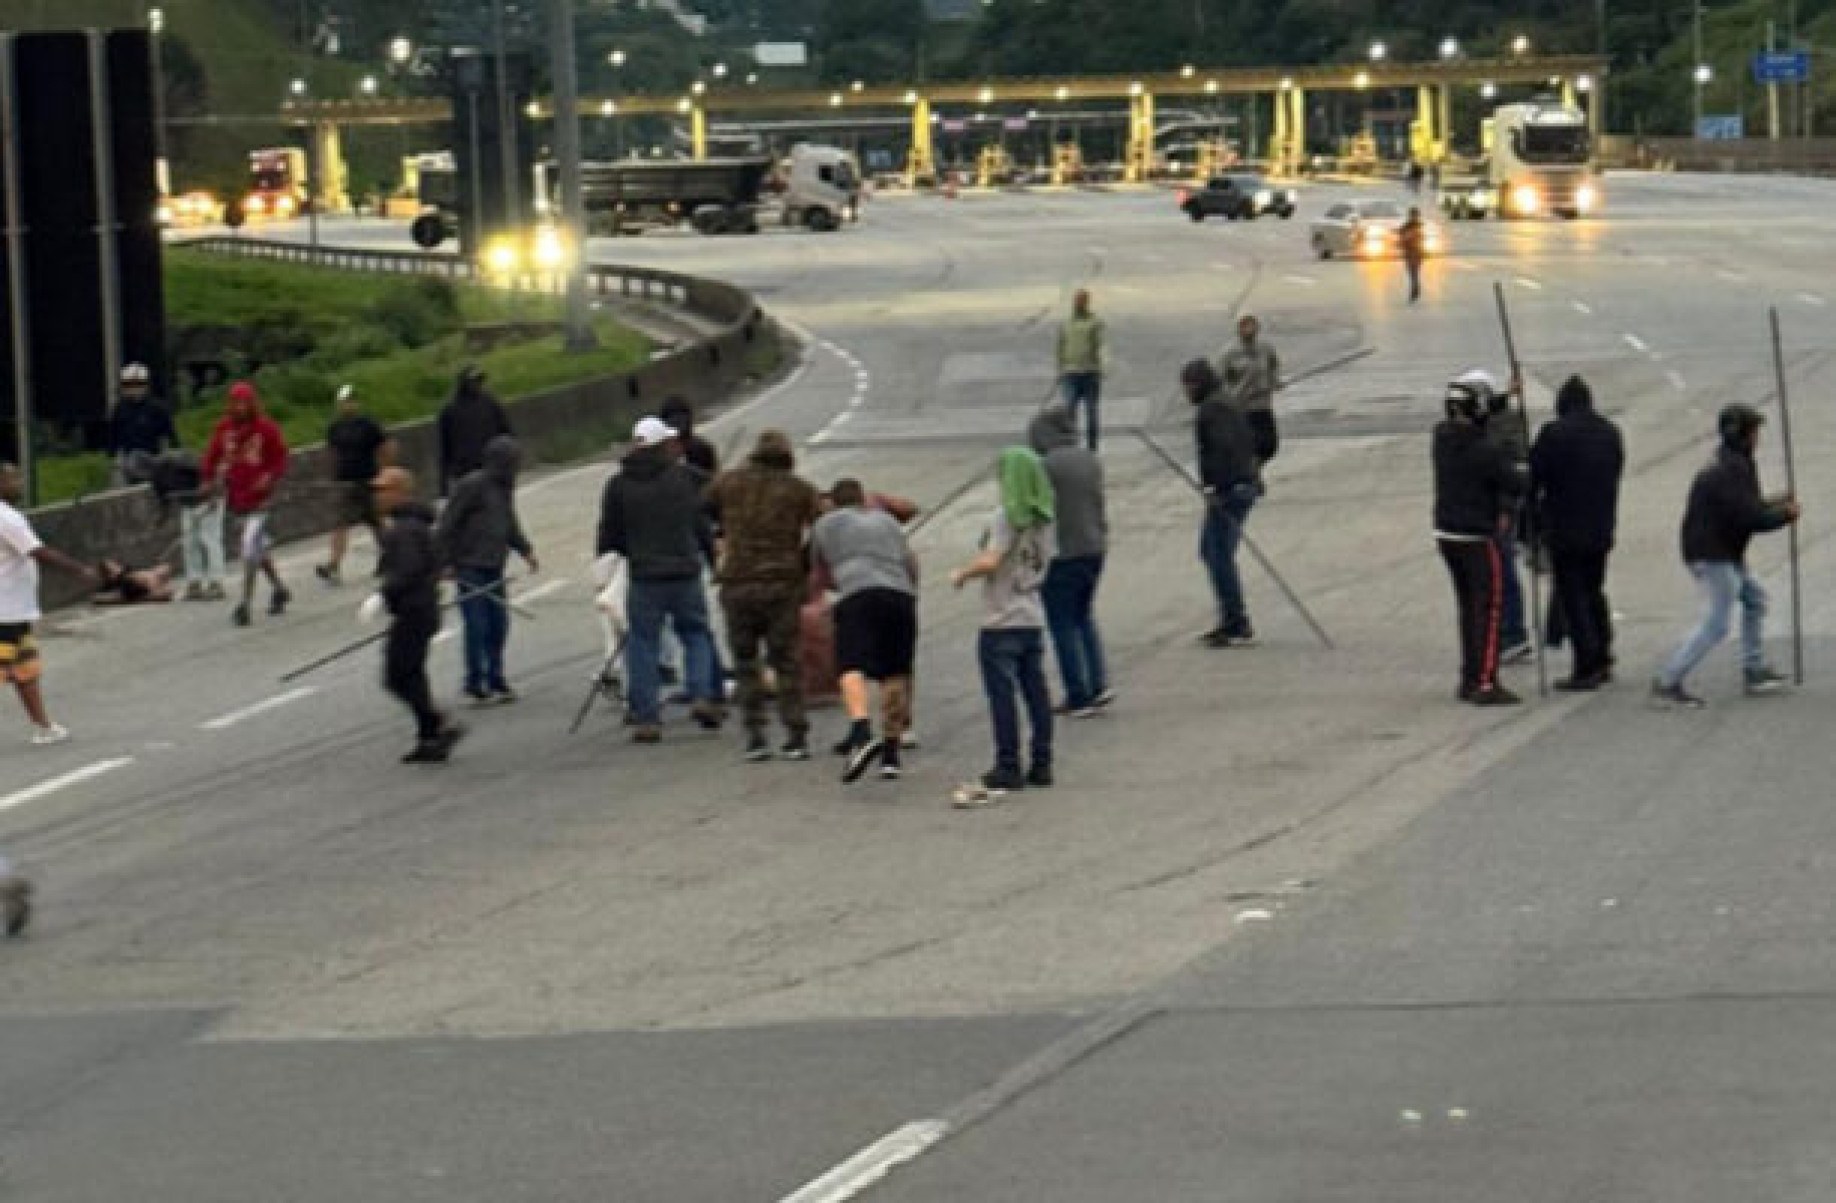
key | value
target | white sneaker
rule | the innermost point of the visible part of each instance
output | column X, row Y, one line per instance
column 909, row 741
column 45, row 736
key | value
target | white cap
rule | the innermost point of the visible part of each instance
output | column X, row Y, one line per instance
column 1477, row 378
column 652, row 431
column 134, row 373
column 346, row 392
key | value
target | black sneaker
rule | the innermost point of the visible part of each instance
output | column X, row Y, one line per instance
column 1216, row 637
column 1674, row 697
column 667, row 674
column 890, row 768
column 277, row 605
column 1764, row 682
column 15, row 904
column 240, row 615
column 1039, row 777
column 1104, row 699
column 797, row 747
column 477, row 695
column 503, row 695
column 758, row 751
column 1001, row 781
column 429, row 751
column 1240, row 632
column 862, row 758
column 709, row 716
column 1581, row 683
column 328, row 574
column 1494, row 695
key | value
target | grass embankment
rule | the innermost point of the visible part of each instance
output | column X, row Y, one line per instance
column 302, row 332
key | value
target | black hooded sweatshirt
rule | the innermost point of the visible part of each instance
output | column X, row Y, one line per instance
column 409, row 567
column 468, row 423
column 1476, row 483
column 479, row 527
column 1726, row 510
column 652, row 514
column 1575, row 467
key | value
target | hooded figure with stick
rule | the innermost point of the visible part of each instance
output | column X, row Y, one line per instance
column 1015, row 556
column 1725, row 511
column 409, row 571
column 1575, row 468
column 1230, row 473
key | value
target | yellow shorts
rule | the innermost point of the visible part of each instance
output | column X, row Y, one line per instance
column 18, row 654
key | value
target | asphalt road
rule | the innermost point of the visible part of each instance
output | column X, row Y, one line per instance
column 1294, row 926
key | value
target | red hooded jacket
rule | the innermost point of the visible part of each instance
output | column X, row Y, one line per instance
column 249, row 456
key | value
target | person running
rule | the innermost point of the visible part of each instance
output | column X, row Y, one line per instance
column 409, row 569
column 1412, row 237
column 1015, row 556
column 1476, row 490
column 1231, row 481
column 467, row 424
column 1575, row 468
column 360, row 449
column 478, row 530
column 652, row 514
column 246, row 459
column 765, row 512
column 1081, row 352
column 862, row 550
column 140, row 430
column 1510, row 432
column 1251, row 372
column 21, row 553
column 1725, row 511
column 1071, row 583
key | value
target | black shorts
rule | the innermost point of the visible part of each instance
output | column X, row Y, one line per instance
column 876, row 634
column 356, row 503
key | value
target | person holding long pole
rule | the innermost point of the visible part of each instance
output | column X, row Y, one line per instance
column 410, row 569
column 1476, row 492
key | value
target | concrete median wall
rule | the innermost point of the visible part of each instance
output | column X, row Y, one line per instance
column 565, row 424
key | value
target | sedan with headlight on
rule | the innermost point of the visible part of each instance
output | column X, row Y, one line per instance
column 1366, row 229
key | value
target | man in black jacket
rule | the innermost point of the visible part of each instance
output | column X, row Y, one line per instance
column 1476, row 491
column 1575, row 467
column 478, row 531
column 652, row 515
column 1725, row 511
column 468, row 423
column 409, row 588
column 1227, row 456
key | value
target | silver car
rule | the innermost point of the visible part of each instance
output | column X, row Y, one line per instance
column 1366, row 229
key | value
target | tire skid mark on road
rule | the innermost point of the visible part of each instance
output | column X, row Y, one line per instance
column 52, row 785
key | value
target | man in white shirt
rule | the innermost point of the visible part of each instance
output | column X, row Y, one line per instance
column 20, row 555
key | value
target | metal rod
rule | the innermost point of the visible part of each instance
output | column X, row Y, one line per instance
column 16, row 264
column 1255, row 551
column 1523, row 417
column 367, row 640
column 1791, row 487
column 109, row 269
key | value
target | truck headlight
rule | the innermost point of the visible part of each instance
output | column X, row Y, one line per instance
column 1524, row 199
column 1586, row 198
column 550, row 251
column 284, row 206
column 255, row 204
column 1480, row 198
column 163, row 215
column 1264, row 198
column 501, row 256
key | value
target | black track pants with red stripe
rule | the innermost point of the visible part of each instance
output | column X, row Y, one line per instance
column 1478, row 581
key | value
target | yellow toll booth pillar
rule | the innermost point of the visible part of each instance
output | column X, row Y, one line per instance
column 1140, row 165
column 1297, row 127
column 1568, row 93
column 330, row 189
column 921, row 163
column 1444, row 123
column 1422, row 136
column 1279, row 154
column 698, row 133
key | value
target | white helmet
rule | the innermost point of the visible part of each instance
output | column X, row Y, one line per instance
column 134, row 373
column 1470, row 394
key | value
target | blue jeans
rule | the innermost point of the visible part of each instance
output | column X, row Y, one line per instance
column 484, row 608
column 1069, row 594
column 1512, row 629
column 1080, row 390
column 1014, row 661
column 1224, row 519
column 685, row 604
column 1722, row 585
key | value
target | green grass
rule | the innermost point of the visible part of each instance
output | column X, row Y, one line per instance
column 399, row 340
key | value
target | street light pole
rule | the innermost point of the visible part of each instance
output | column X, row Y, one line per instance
column 1696, row 71
column 506, row 118
column 579, row 333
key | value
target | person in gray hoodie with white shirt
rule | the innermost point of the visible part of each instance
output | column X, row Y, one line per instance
column 1071, row 582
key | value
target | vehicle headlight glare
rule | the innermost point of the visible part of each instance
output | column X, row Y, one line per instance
column 1525, row 199
column 1263, row 198
column 501, row 257
column 1586, row 198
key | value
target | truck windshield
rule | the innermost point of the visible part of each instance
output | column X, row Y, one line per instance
column 272, row 179
column 1551, row 144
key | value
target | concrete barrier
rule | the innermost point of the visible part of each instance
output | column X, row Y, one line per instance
column 567, row 423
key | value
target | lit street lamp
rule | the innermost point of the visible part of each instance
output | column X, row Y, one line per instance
column 1488, row 90
column 400, row 51
column 156, row 20
column 368, row 85
column 1520, row 44
column 297, row 87
column 720, row 70
column 1379, row 52
column 616, row 58
column 1450, row 48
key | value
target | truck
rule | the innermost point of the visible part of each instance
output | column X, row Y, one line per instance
column 1464, row 189
column 277, row 183
column 1541, row 159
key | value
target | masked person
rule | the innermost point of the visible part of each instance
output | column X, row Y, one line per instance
column 468, row 422
column 1575, row 468
column 1725, row 510
column 1476, row 492
column 245, row 460
column 140, row 430
column 1507, row 431
column 478, row 530
column 409, row 571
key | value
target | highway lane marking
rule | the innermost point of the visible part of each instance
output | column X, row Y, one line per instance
column 43, row 789
column 1731, row 276
column 1303, row 281
column 1636, row 343
column 871, row 1164
column 1527, row 282
column 224, row 721
column 1811, row 298
column 1583, row 308
column 1676, row 380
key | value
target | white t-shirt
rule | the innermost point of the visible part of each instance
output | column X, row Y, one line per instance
column 18, row 570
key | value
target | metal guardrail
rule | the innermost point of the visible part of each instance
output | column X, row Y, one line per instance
column 719, row 301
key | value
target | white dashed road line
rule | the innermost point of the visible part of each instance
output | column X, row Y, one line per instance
column 871, row 1164
column 1676, row 381
column 1583, row 308
column 1637, row 343
column 64, row 781
column 224, row 721
column 1811, row 298
column 1527, row 282
column 1731, row 276
column 863, row 381
column 1303, row 281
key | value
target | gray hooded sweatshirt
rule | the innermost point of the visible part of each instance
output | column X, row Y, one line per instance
column 1077, row 483
column 479, row 528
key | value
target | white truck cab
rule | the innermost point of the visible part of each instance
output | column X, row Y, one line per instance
column 1542, row 160
column 821, row 187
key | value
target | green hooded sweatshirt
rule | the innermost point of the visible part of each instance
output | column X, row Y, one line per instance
column 1026, row 490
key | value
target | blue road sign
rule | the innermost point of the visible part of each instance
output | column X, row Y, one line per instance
column 1720, row 127
column 1781, row 67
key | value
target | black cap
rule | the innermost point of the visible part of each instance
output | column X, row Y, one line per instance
column 1737, row 421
